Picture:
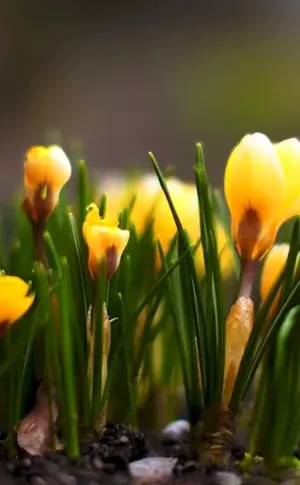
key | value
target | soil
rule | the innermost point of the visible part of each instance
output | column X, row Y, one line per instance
column 105, row 461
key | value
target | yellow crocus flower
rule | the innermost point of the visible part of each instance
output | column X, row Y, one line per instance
column 150, row 202
column 262, row 188
column 104, row 240
column 46, row 171
column 14, row 300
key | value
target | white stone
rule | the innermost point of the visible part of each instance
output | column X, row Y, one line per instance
column 177, row 429
column 149, row 469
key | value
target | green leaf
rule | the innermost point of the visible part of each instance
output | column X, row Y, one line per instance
column 193, row 300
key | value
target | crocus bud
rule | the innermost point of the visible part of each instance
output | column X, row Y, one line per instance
column 46, row 171
column 262, row 188
column 14, row 300
column 105, row 240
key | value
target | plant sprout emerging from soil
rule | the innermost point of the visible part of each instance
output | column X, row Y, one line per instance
column 127, row 302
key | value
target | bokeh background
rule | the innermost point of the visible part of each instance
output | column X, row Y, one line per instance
column 132, row 76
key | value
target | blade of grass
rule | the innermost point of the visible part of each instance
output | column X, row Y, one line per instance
column 81, row 192
column 192, row 280
column 79, row 315
column 98, row 350
column 181, row 342
column 132, row 392
column 79, row 258
column 103, row 205
column 65, row 298
column 158, row 286
column 215, row 301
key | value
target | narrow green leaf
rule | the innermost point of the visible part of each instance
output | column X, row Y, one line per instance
column 191, row 278
column 81, row 192
column 103, row 205
column 132, row 391
column 65, row 298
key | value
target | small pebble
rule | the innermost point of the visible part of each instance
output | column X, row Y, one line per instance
column 124, row 440
column 176, row 430
column 152, row 468
column 26, row 462
column 66, row 479
column 35, row 480
column 225, row 478
column 95, row 446
column 98, row 464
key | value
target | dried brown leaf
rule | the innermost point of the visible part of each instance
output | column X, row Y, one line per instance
column 34, row 431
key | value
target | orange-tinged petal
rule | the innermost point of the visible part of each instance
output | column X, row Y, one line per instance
column 238, row 328
column 14, row 301
column 254, row 185
column 288, row 152
column 104, row 240
column 46, row 171
column 101, row 238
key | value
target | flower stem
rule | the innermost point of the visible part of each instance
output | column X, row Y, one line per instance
column 248, row 273
column 38, row 229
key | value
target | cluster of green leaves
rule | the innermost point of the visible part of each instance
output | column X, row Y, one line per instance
column 199, row 317
column 52, row 342
column 167, row 326
column 276, row 424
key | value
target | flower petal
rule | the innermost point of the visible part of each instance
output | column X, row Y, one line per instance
column 13, row 300
column 102, row 238
column 273, row 266
column 252, row 168
column 13, row 285
column 46, row 165
column 254, row 186
column 288, row 152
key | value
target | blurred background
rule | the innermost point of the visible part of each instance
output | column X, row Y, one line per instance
column 133, row 76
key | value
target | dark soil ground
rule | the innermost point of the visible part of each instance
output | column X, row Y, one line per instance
column 105, row 461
